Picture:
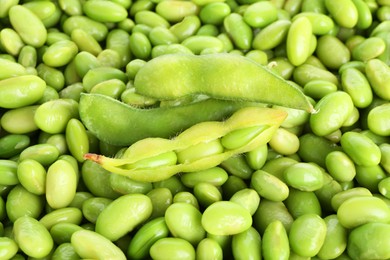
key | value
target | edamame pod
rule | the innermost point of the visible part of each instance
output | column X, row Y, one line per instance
column 151, row 149
column 93, row 107
column 198, row 76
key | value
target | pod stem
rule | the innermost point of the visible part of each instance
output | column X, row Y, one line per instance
column 97, row 158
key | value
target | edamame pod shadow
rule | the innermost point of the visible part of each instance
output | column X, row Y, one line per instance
column 220, row 76
column 119, row 124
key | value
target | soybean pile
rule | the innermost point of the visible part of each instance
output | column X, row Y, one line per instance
column 112, row 147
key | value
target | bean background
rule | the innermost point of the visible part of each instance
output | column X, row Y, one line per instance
column 320, row 189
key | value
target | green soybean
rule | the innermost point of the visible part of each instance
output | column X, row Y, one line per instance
column 307, row 235
column 209, row 248
column 221, row 218
column 251, row 240
column 146, row 236
column 109, row 222
column 32, row 237
column 93, row 206
column 344, row 12
column 275, row 243
column 172, row 248
column 378, row 73
column 8, row 247
column 298, row 41
column 61, row 184
column 340, row 166
column 304, row 176
column 32, row 176
column 367, row 241
column 29, row 27
column 269, row 186
column 89, row 244
column 360, row 210
column 362, row 150
column 335, row 240
column 337, row 103
column 184, row 221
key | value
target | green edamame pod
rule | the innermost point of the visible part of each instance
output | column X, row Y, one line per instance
column 191, row 67
column 195, row 137
column 92, row 107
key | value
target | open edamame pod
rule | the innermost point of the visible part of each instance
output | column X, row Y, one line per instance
column 197, row 148
column 220, row 76
column 133, row 124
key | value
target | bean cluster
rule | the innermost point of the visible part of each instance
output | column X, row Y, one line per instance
column 319, row 188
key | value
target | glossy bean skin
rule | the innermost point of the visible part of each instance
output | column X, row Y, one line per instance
column 172, row 248
column 28, row 25
column 324, row 122
column 145, row 85
column 251, row 240
column 310, row 242
column 275, row 244
column 184, row 221
column 61, row 184
column 212, row 218
column 369, row 153
column 139, row 205
column 21, row 91
column 146, row 236
column 32, row 237
column 299, row 40
column 377, row 74
column 89, row 244
column 374, row 235
column 379, row 212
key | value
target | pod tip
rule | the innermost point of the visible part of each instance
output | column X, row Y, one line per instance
column 93, row 157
